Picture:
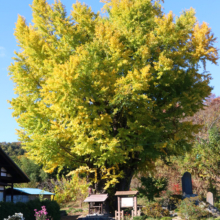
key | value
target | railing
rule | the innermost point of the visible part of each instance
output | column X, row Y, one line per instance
column 119, row 216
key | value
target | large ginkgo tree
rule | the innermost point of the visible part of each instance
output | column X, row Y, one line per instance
column 107, row 94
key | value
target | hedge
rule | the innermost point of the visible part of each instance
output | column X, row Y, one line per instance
column 9, row 208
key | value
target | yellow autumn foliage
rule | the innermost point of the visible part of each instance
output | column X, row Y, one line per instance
column 99, row 94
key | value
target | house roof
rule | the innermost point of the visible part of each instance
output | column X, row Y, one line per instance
column 18, row 176
column 33, row 191
column 96, row 198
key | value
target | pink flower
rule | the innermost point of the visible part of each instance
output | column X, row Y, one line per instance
column 42, row 214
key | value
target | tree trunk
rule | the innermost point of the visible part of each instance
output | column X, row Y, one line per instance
column 123, row 185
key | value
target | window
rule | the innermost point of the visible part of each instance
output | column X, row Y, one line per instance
column 3, row 172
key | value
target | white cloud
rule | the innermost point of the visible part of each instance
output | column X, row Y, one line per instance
column 2, row 52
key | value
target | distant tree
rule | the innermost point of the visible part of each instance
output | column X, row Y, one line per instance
column 12, row 149
column 107, row 95
column 33, row 171
column 208, row 117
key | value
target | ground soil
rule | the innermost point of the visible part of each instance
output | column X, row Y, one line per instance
column 74, row 210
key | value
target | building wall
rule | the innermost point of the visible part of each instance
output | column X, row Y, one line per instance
column 25, row 198
column 17, row 198
column 32, row 197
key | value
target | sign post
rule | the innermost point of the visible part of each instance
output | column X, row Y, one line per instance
column 126, row 199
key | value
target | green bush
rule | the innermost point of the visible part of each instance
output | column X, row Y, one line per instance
column 152, row 187
column 173, row 202
column 149, row 218
column 155, row 210
column 217, row 203
column 139, row 218
column 187, row 209
column 9, row 208
column 166, row 218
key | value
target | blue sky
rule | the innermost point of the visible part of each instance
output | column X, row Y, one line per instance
column 207, row 11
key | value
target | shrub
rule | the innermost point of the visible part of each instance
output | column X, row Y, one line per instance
column 16, row 216
column 155, row 210
column 189, row 210
column 176, row 188
column 151, row 187
column 72, row 189
column 139, row 218
column 217, row 203
column 9, row 208
column 173, row 202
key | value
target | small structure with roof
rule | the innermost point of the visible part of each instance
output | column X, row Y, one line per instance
column 10, row 173
column 126, row 199
column 96, row 203
column 27, row 194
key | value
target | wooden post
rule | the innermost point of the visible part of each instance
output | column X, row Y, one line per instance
column 135, row 206
column 119, row 207
column 122, row 214
column 116, row 214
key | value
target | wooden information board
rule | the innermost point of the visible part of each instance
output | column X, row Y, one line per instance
column 127, row 202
